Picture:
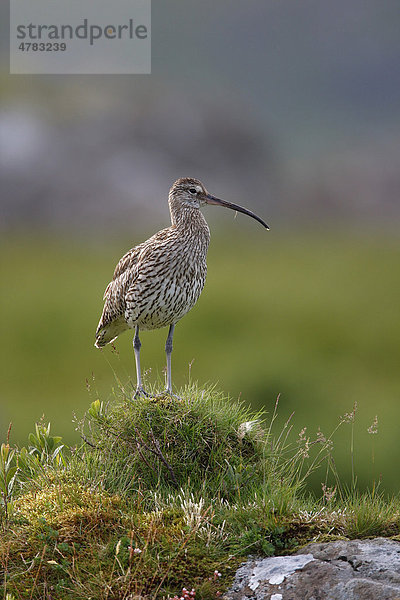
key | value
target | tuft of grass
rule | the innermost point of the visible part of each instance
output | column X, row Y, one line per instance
column 167, row 495
column 370, row 515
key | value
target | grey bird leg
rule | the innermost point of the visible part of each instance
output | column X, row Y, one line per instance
column 168, row 351
column 136, row 347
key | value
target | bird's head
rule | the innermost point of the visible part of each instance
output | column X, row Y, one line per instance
column 191, row 193
column 188, row 192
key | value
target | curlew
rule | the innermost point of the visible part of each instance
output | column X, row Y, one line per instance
column 156, row 283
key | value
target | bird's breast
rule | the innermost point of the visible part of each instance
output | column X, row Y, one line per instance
column 167, row 291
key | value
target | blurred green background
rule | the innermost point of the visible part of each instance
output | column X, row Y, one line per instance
column 290, row 109
column 313, row 317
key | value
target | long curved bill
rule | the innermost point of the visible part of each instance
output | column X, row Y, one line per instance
column 209, row 199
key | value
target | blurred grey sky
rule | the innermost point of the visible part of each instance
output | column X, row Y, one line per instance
column 293, row 107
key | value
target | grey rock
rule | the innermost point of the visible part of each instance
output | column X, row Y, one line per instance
column 342, row 570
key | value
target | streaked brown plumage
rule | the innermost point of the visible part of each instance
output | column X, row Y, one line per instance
column 156, row 283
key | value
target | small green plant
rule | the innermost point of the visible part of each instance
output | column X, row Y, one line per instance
column 96, row 410
column 8, row 471
column 43, row 451
column 46, row 447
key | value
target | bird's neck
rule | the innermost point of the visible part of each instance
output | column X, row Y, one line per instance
column 190, row 222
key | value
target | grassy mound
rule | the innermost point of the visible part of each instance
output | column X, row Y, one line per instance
column 202, row 442
column 164, row 498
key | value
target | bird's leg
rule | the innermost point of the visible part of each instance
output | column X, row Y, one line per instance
column 136, row 347
column 168, row 351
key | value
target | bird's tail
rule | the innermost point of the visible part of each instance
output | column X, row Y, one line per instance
column 107, row 333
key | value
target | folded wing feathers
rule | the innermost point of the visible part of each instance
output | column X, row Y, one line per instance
column 114, row 294
column 124, row 276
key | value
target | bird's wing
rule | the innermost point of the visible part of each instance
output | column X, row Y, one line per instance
column 128, row 261
column 111, row 320
column 153, row 258
column 122, row 286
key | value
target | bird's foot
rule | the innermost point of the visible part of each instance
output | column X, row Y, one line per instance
column 168, row 393
column 140, row 392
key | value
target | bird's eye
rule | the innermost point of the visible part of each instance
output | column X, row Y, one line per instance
column 193, row 191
